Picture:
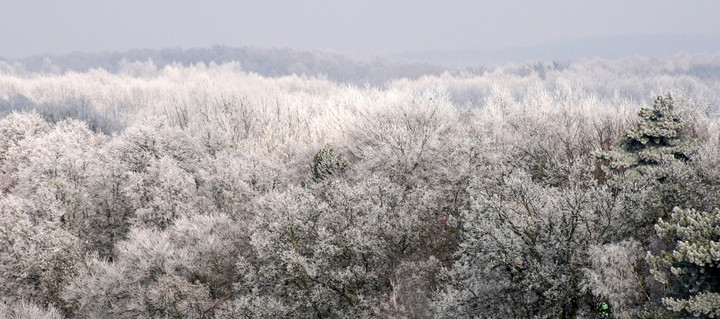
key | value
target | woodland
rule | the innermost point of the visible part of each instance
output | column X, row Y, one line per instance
column 195, row 189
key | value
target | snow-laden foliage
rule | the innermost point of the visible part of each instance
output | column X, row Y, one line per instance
column 38, row 256
column 326, row 164
column 659, row 135
column 343, row 248
column 182, row 271
column 525, row 245
column 203, row 191
column 613, row 275
column 691, row 269
column 14, row 129
column 27, row 310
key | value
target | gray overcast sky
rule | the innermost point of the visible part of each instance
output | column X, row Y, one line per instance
column 362, row 27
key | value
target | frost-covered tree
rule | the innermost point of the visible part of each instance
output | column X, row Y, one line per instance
column 424, row 147
column 187, row 270
column 37, row 255
column 690, row 268
column 61, row 170
column 161, row 172
column 15, row 128
column 326, row 164
column 656, row 167
column 57, row 170
column 233, row 180
column 659, row 135
column 614, row 275
column 524, row 248
column 340, row 249
column 27, row 310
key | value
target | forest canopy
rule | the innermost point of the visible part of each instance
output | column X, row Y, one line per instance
column 204, row 190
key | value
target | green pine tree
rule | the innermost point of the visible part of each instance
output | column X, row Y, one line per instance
column 327, row 163
column 659, row 135
column 691, row 270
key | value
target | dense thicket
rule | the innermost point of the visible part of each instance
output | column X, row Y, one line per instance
column 203, row 191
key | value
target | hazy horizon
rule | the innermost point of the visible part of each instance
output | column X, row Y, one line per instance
column 358, row 28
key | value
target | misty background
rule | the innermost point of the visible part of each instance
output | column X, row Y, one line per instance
column 456, row 32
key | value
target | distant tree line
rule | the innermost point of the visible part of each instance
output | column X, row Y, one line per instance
column 266, row 62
